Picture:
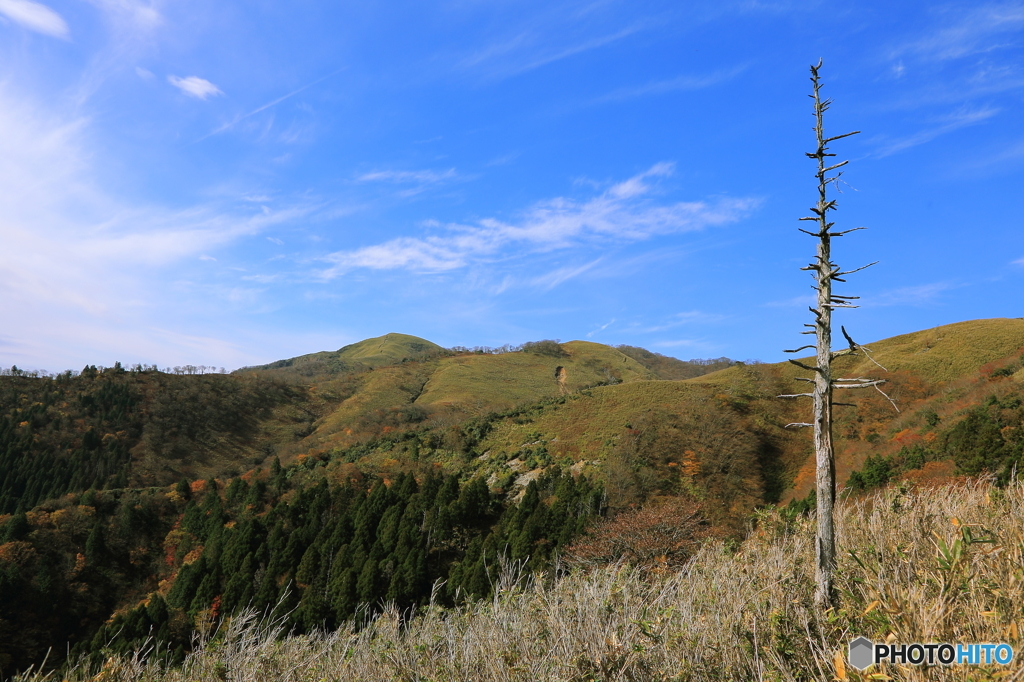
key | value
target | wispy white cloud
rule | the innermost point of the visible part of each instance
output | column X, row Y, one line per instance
column 622, row 213
column 131, row 14
column 955, row 121
column 689, row 317
column 132, row 27
column 974, row 47
column 421, row 176
column 503, row 159
column 600, row 329
column 85, row 270
column 677, row 84
column 412, row 182
column 796, row 301
column 548, row 40
column 194, row 86
column 677, row 343
column 552, row 279
column 35, row 17
column 263, row 107
column 915, row 295
column 967, row 33
column 549, row 56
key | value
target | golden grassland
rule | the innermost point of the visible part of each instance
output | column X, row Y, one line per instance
column 503, row 381
column 941, row 371
column 926, row 366
column 589, row 425
column 936, row 355
column 388, row 349
column 348, row 409
column 916, row 564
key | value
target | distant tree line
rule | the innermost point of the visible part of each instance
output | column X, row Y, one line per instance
column 69, row 433
column 672, row 368
column 543, row 347
column 14, row 371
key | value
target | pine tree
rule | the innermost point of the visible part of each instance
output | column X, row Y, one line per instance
column 16, row 528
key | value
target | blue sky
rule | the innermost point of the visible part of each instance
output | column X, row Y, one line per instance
column 233, row 183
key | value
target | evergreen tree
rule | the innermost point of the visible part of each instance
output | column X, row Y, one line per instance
column 16, row 528
column 95, row 545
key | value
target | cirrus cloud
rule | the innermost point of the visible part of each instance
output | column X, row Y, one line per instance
column 35, row 16
column 194, row 86
column 622, row 213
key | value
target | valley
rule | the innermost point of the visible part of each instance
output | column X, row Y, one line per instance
column 135, row 503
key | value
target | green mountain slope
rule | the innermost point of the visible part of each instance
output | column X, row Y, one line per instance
column 509, row 379
column 400, row 471
column 389, row 349
column 722, row 435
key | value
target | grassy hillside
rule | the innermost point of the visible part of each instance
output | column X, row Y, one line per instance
column 937, row 375
column 488, row 451
column 665, row 367
column 944, row 372
column 389, row 349
column 446, row 390
column 595, row 409
column 498, row 382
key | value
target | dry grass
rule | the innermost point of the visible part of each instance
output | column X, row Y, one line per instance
column 506, row 380
column 727, row 615
column 588, row 425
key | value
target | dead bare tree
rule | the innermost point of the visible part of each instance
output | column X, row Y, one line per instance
column 826, row 272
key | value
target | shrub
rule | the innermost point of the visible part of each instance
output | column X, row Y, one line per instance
column 665, row 533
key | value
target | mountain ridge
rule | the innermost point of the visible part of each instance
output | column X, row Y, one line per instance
column 135, row 502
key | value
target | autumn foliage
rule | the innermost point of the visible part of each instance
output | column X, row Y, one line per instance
column 665, row 533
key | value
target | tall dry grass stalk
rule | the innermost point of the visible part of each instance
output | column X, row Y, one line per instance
column 943, row 564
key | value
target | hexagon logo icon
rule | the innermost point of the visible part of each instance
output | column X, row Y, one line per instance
column 862, row 653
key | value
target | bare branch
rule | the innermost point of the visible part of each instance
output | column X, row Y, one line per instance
column 838, row 165
column 865, row 385
column 796, row 395
column 853, row 345
column 850, row 272
column 871, row 357
column 842, row 232
column 797, row 425
column 886, row 396
column 797, row 350
column 803, row 366
column 839, row 137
